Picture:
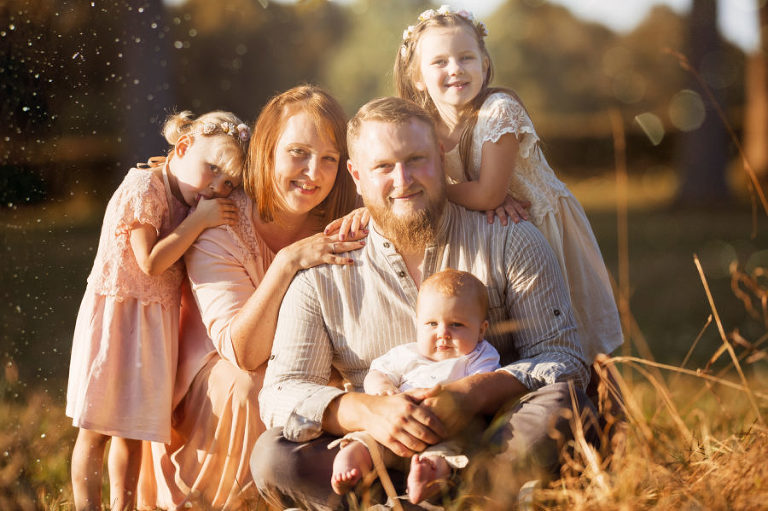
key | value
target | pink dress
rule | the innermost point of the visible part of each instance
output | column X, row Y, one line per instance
column 125, row 345
column 216, row 417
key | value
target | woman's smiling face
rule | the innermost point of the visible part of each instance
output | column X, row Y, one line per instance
column 306, row 162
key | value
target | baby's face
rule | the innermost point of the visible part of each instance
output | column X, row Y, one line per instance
column 447, row 326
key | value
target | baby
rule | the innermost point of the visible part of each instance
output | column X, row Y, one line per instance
column 451, row 312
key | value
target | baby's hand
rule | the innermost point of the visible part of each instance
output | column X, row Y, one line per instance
column 387, row 392
column 350, row 224
column 511, row 208
column 213, row 212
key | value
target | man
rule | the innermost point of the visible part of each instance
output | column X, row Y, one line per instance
column 343, row 317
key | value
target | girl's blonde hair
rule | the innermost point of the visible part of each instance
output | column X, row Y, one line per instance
column 259, row 172
column 230, row 130
column 406, row 73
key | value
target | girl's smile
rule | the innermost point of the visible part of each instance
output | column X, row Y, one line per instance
column 451, row 67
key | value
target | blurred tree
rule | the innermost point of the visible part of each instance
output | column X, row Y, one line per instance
column 756, row 104
column 360, row 68
column 704, row 153
column 145, row 95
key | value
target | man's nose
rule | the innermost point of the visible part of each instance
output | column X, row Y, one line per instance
column 402, row 176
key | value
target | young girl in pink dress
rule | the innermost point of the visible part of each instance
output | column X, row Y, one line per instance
column 125, row 344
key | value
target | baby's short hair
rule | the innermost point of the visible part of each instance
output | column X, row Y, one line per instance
column 452, row 282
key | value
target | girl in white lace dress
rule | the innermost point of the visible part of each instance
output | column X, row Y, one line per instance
column 125, row 345
column 492, row 152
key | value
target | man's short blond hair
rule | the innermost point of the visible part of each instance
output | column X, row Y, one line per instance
column 455, row 282
column 390, row 110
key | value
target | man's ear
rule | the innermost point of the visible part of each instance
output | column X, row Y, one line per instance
column 355, row 175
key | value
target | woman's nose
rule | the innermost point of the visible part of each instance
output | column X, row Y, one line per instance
column 312, row 167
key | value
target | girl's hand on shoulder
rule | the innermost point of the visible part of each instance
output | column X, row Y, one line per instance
column 350, row 225
column 320, row 249
column 511, row 208
column 213, row 212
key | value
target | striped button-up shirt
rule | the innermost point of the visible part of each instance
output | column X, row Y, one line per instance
column 345, row 316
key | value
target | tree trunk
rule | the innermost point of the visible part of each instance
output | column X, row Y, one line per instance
column 756, row 103
column 704, row 150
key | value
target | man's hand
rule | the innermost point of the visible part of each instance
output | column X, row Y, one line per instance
column 398, row 422
column 454, row 409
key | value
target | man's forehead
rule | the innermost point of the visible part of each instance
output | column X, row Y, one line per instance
column 381, row 137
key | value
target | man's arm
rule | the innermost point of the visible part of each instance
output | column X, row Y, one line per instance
column 537, row 299
column 295, row 392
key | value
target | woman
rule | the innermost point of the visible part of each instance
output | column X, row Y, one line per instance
column 294, row 183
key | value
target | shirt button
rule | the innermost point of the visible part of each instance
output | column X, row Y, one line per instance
column 401, row 274
column 271, row 357
column 557, row 312
column 386, row 244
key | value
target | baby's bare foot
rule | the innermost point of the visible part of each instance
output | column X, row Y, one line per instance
column 351, row 463
column 426, row 477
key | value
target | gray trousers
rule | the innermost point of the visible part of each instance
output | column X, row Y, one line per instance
column 526, row 437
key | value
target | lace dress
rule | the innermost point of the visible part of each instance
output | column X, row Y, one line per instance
column 125, row 346
column 557, row 214
column 216, row 414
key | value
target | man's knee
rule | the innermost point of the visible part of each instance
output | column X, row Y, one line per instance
column 265, row 457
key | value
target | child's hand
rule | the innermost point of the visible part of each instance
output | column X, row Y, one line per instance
column 387, row 392
column 213, row 212
column 350, row 224
column 511, row 208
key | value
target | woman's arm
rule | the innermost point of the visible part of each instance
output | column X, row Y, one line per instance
column 236, row 308
column 490, row 189
column 155, row 256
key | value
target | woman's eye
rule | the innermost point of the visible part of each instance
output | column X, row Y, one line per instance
column 229, row 184
column 331, row 159
column 297, row 152
column 214, row 168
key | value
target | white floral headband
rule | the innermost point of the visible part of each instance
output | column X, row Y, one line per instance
column 442, row 11
column 241, row 132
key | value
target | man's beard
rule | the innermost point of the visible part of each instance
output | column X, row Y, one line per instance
column 413, row 232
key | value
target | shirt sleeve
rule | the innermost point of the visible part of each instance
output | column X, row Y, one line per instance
column 538, row 303
column 295, row 393
column 221, row 285
column 502, row 114
column 140, row 200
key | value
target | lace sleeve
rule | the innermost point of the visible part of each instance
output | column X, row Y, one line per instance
column 140, row 200
column 501, row 114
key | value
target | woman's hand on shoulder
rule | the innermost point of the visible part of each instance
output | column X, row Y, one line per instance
column 511, row 208
column 321, row 249
column 350, row 225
